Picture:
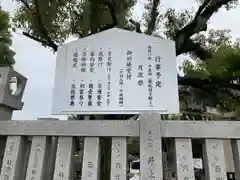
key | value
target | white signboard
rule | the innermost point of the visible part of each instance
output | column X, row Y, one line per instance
column 114, row 72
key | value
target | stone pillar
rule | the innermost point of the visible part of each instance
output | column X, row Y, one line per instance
column 9, row 101
column 51, row 156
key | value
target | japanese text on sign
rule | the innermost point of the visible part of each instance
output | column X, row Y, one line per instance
column 123, row 77
column 127, row 75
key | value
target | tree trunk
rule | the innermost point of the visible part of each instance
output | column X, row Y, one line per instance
column 94, row 17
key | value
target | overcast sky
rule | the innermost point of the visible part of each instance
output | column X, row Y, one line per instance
column 38, row 63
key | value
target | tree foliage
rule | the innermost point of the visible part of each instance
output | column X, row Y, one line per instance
column 6, row 53
column 225, row 63
column 51, row 22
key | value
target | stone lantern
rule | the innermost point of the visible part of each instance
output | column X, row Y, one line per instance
column 10, row 99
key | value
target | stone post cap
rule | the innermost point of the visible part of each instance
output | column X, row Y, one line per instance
column 9, row 98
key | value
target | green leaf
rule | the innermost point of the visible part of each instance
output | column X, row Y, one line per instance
column 6, row 53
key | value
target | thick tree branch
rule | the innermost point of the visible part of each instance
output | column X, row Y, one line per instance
column 111, row 7
column 45, row 43
column 211, row 81
column 153, row 17
column 195, row 48
column 198, row 24
column 202, row 7
column 42, row 28
column 137, row 25
column 46, row 38
column 94, row 17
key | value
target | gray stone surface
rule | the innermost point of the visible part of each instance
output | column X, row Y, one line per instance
column 184, row 159
column 70, row 128
column 96, row 128
column 150, row 147
column 6, row 98
column 150, row 129
column 91, row 159
column 214, row 160
column 38, row 160
column 63, row 165
column 201, row 129
column 9, row 102
column 13, row 161
column 119, row 158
